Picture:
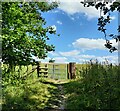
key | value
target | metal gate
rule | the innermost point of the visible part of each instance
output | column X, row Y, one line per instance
column 57, row 71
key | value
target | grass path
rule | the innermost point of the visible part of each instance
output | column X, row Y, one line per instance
column 57, row 100
column 62, row 97
column 43, row 95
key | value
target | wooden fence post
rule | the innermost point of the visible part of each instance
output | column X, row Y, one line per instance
column 42, row 71
column 46, row 70
column 71, row 70
column 68, row 73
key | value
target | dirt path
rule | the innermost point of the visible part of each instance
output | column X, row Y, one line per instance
column 62, row 97
column 57, row 101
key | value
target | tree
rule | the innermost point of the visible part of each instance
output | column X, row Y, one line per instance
column 23, row 32
column 104, row 20
column 51, row 61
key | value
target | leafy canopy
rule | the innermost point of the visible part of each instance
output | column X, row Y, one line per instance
column 24, row 33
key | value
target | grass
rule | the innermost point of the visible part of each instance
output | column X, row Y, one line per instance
column 29, row 93
column 33, row 95
column 96, row 88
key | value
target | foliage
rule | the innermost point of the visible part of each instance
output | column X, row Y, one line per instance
column 20, row 74
column 51, row 61
column 24, row 33
column 34, row 94
column 29, row 93
column 104, row 20
column 97, row 88
column 20, row 92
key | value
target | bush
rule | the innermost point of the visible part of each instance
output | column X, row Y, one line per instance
column 97, row 88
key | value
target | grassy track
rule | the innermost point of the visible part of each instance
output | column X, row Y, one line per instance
column 96, row 88
column 31, row 94
column 34, row 95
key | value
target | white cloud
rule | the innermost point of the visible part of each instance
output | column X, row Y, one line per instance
column 55, row 11
column 74, row 6
column 87, row 56
column 46, row 60
column 89, row 44
column 110, row 59
column 53, row 53
column 70, row 53
column 59, row 22
column 79, row 58
column 83, row 58
column 57, row 60
column 114, row 43
column 75, row 56
column 61, row 60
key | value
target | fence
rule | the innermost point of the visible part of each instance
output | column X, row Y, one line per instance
column 42, row 70
column 56, row 70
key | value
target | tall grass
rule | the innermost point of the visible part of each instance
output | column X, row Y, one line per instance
column 97, row 88
column 22, row 90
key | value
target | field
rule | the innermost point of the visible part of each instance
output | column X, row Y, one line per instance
column 96, row 87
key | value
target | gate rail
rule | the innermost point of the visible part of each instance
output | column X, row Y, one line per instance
column 54, row 70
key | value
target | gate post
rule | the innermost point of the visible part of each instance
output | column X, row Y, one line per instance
column 71, row 70
column 68, row 72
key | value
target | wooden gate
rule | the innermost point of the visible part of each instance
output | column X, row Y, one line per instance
column 57, row 71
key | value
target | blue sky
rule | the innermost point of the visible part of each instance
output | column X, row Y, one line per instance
column 79, row 39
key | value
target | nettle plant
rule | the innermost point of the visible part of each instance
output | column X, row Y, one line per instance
column 105, row 18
